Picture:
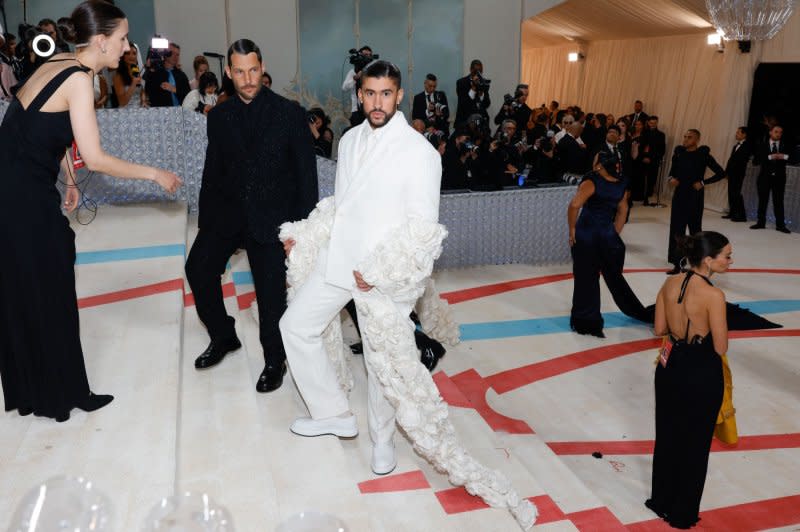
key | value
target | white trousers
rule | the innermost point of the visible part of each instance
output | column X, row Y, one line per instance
column 313, row 307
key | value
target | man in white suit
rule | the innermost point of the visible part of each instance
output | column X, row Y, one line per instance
column 387, row 174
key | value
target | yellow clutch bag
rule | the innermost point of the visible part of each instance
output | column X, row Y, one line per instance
column 725, row 431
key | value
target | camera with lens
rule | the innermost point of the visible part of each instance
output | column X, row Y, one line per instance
column 502, row 137
column 511, row 102
column 359, row 59
column 468, row 147
column 158, row 52
column 480, row 83
column 546, row 143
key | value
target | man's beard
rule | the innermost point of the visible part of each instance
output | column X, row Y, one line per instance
column 387, row 118
column 247, row 97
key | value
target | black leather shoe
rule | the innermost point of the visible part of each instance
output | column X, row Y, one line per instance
column 271, row 378
column 215, row 352
column 757, row 226
column 738, row 219
column 726, row 217
column 430, row 350
column 357, row 348
column 783, row 230
column 674, row 271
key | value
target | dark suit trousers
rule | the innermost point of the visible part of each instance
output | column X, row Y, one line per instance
column 686, row 211
column 735, row 199
column 776, row 184
column 204, row 268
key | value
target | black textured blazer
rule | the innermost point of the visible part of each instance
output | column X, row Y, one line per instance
column 260, row 168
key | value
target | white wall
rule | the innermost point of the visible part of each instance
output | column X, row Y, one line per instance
column 492, row 34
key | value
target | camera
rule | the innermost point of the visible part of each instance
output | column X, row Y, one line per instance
column 480, row 83
column 158, row 51
column 311, row 117
column 359, row 59
column 502, row 137
column 511, row 102
column 546, row 143
column 468, row 147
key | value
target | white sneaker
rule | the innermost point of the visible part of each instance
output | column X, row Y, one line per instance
column 383, row 458
column 343, row 427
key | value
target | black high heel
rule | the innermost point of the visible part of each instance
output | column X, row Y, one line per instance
column 93, row 402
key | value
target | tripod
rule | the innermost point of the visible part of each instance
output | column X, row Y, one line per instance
column 659, row 179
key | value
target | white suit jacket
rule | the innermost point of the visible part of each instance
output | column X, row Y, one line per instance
column 398, row 179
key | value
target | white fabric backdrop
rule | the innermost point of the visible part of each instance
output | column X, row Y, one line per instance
column 679, row 78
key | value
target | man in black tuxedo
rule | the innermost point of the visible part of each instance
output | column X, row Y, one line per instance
column 573, row 155
column 517, row 109
column 167, row 85
column 655, row 146
column 431, row 107
column 772, row 157
column 736, row 169
column 610, row 146
column 471, row 99
column 637, row 114
column 260, row 171
column 689, row 163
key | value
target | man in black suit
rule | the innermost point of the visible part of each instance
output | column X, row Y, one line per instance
column 573, row 155
column 772, row 157
column 610, row 146
column 472, row 99
column 637, row 114
column 689, row 163
column 260, row 171
column 517, row 109
column 655, row 146
column 431, row 107
column 167, row 85
column 736, row 169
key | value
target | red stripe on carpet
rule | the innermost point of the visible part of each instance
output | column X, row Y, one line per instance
column 474, row 388
column 245, row 300
column 596, row 520
column 548, row 509
column 763, row 442
column 449, row 391
column 413, row 480
column 130, row 293
column 467, row 294
column 457, row 500
column 759, row 515
column 511, row 379
column 228, row 290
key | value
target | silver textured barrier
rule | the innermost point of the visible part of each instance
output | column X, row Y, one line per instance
column 516, row 226
column 791, row 200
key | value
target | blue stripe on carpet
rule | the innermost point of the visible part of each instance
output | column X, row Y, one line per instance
column 559, row 324
column 123, row 254
column 240, row 278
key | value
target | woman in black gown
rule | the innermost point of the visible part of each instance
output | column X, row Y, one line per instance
column 602, row 200
column 41, row 361
column 688, row 380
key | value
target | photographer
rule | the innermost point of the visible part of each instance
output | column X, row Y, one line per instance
column 319, row 123
column 359, row 59
column 459, row 154
column 505, row 158
column 473, row 94
column 573, row 156
column 166, row 84
column 7, row 77
column 431, row 107
column 515, row 108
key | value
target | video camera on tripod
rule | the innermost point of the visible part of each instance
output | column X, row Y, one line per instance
column 158, row 51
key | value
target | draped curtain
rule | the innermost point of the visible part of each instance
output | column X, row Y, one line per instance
column 687, row 83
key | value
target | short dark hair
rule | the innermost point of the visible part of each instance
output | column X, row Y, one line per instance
column 431, row 77
column 616, row 128
column 696, row 132
column 46, row 21
column 176, row 45
column 554, row 104
column 652, row 117
column 266, row 75
column 243, row 47
column 743, row 129
column 95, row 17
column 522, row 86
column 383, row 69
column 474, row 63
column 365, row 47
column 639, row 101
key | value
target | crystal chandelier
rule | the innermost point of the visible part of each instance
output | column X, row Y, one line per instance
column 745, row 20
